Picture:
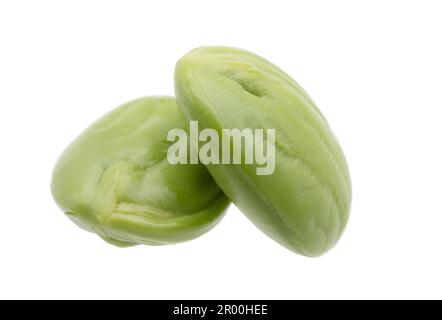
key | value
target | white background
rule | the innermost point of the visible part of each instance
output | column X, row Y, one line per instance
column 373, row 67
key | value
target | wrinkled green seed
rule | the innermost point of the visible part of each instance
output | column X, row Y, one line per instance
column 115, row 180
column 304, row 205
